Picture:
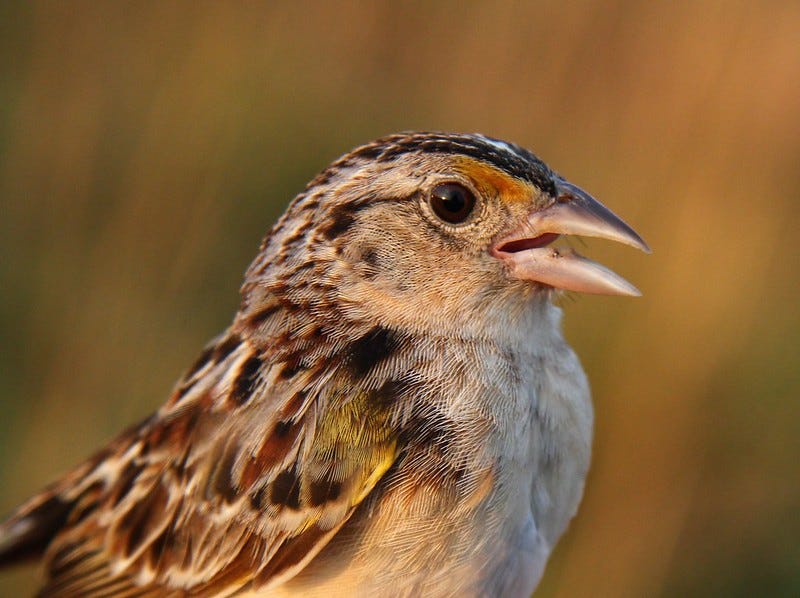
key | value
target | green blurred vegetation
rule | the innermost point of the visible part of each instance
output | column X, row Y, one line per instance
column 145, row 148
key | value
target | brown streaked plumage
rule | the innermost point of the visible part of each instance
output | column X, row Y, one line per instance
column 392, row 411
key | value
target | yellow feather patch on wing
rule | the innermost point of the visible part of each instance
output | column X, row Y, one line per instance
column 353, row 447
column 357, row 435
column 377, row 474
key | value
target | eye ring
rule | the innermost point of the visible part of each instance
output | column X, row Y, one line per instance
column 452, row 203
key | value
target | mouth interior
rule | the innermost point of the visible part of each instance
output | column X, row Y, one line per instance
column 523, row 244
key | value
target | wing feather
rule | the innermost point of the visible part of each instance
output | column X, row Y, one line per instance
column 240, row 480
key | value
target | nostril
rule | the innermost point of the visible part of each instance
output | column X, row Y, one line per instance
column 523, row 244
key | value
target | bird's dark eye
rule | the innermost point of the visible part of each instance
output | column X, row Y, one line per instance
column 452, row 202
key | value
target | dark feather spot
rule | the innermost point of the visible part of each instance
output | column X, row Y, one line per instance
column 201, row 361
column 126, row 482
column 260, row 316
column 276, row 445
column 370, row 257
column 341, row 218
column 312, row 203
column 294, row 404
column 290, row 369
column 68, row 557
column 185, row 388
column 433, row 432
column 389, row 392
column 322, row 491
column 135, row 531
column 160, row 547
column 221, row 481
column 175, row 430
column 371, row 263
column 294, row 239
column 138, row 523
column 227, row 347
column 285, row 490
column 371, row 349
column 30, row 540
column 370, row 152
column 86, row 504
column 246, row 381
column 258, row 498
column 282, row 428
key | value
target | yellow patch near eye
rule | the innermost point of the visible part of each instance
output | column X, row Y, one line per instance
column 490, row 179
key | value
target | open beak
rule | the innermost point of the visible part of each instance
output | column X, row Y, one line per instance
column 574, row 212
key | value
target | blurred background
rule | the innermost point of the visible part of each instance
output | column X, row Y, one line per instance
column 146, row 148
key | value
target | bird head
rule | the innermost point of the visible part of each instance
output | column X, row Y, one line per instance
column 422, row 230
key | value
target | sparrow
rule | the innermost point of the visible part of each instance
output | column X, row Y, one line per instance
column 393, row 411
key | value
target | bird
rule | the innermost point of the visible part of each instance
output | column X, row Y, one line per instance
column 393, row 411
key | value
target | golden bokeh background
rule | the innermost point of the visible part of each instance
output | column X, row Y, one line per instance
column 145, row 149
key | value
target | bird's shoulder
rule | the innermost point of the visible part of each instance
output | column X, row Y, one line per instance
column 259, row 457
